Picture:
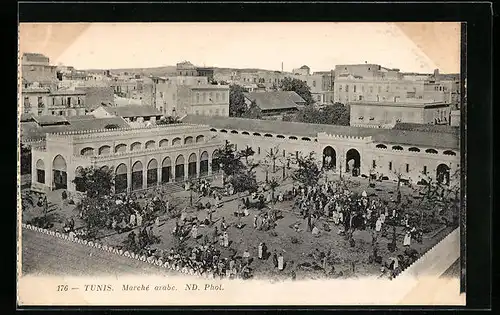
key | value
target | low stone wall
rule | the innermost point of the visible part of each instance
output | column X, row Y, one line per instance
column 436, row 260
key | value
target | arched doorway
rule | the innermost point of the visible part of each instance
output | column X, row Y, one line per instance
column 166, row 170
column 137, row 176
column 215, row 163
column 121, row 179
column 204, row 164
column 40, row 172
column 192, row 166
column 179, row 168
column 79, row 185
column 152, row 175
column 443, row 174
column 329, row 158
column 353, row 162
column 59, row 172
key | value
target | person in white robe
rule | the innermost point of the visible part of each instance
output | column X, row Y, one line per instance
column 132, row 220
column 139, row 219
column 281, row 262
column 378, row 225
column 407, row 239
column 260, row 251
column 194, row 232
column 226, row 239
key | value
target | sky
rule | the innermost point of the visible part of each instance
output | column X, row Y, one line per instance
column 320, row 46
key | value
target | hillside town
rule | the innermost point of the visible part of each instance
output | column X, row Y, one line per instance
column 242, row 173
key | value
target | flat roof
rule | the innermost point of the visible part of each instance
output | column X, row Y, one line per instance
column 421, row 137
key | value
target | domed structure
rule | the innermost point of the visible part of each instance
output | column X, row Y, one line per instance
column 304, row 67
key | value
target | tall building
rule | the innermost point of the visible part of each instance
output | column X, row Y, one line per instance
column 36, row 69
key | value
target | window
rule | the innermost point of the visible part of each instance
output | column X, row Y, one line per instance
column 354, row 88
column 284, row 153
column 390, row 166
column 340, row 88
column 26, row 101
column 374, row 163
column 217, row 96
column 217, row 112
column 161, row 94
column 79, row 101
column 258, row 150
column 314, row 83
column 197, row 97
column 407, row 167
column 347, row 87
column 197, row 112
column 425, row 169
column 53, row 101
column 40, row 176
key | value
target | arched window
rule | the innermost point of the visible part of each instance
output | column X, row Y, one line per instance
column 213, row 130
column 87, row 151
column 105, row 149
column 163, row 143
column 192, row 166
column 166, row 170
column 414, row 149
column 135, row 146
column 40, row 171
column 121, row 178
column 59, row 172
column 152, row 174
column 176, row 141
column 268, row 135
column 292, row 138
column 256, row 134
column 449, row 152
column 200, row 138
column 137, row 176
column 150, row 144
column 432, row 151
column 223, row 130
column 280, row 136
column 245, row 133
column 381, row 146
column 188, row 140
column 397, row 148
column 121, row 148
column 306, row 139
column 234, row 131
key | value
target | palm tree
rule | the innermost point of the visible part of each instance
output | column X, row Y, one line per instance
column 27, row 201
column 273, row 184
column 247, row 152
column 272, row 155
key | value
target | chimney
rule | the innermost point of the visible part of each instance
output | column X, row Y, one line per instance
column 282, row 66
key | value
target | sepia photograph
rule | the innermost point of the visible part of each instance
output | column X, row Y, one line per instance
column 186, row 164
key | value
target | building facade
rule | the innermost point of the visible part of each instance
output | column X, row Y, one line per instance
column 43, row 101
column 140, row 158
column 387, row 114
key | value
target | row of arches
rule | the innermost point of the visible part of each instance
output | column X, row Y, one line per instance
column 136, row 146
column 156, row 172
column 415, row 149
column 258, row 134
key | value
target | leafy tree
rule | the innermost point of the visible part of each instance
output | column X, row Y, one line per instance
column 229, row 159
column 94, row 213
column 246, row 153
column 244, row 181
column 307, row 173
column 237, row 105
column 273, row 184
column 253, row 112
column 95, row 182
column 299, row 87
column 335, row 114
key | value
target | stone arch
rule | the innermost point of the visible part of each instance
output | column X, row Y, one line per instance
column 443, row 174
column 135, row 146
column 163, row 143
column 40, row 171
column 397, row 147
column 166, row 170
column 245, row 133
column 176, row 141
column 200, row 138
column 121, row 148
column 306, row 139
column 79, row 185
column 449, row 152
column 87, row 151
column 59, row 173
column 121, row 178
column 292, row 138
column 215, row 162
column 280, row 136
column 152, row 174
column 213, row 130
column 234, row 132
column 188, row 140
column 104, row 150
column 137, row 170
column 414, row 149
column 223, row 130
column 256, row 134
column 179, row 168
column 204, row 163
column 192, row 165
column 268, row 135
column 431, row 151
column 353, row 161
column 381, row 146
column 150, row 145
column 329, row 158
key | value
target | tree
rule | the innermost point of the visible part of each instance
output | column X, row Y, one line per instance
column 272, row 155
column 246, row 153
column 229, row 159
column 244, row 181
column 273, row 184
column 237, row 105
column 95, row 182
column 252, row 112
column 299, row 87
column 308, row 174
column 335, row 114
